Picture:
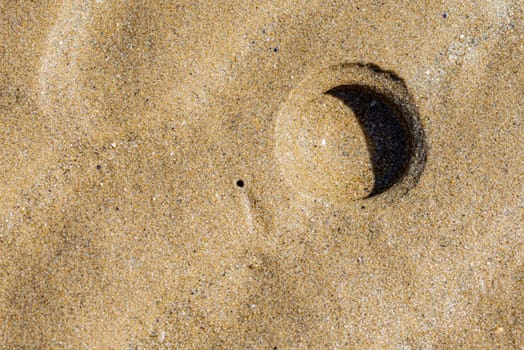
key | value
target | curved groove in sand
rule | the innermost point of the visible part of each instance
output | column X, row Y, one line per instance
column 58, row 73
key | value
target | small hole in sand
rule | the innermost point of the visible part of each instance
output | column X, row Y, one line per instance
column 240, row 183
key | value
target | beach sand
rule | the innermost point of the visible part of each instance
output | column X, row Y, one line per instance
column 166, row 183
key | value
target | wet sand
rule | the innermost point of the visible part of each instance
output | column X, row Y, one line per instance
column 213, row 175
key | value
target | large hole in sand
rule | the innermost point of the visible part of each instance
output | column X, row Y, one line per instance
column 350, row 132
column 386, row 132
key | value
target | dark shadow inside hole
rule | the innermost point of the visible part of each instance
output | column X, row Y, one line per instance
column 240, row 183
column 387, row 134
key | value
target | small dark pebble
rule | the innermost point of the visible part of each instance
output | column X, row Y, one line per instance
column 275, row 49
column 444, row 15
column 98, row 167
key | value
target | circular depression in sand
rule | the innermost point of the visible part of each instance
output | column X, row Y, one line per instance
column 350, row 132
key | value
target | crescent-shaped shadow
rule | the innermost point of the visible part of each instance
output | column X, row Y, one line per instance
column 387, row 133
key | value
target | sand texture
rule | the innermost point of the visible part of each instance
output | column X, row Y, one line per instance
column 261, row 175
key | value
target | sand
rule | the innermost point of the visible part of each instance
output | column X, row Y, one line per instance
column 125, row 128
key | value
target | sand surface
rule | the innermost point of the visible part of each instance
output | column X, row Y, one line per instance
column 125, row 127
